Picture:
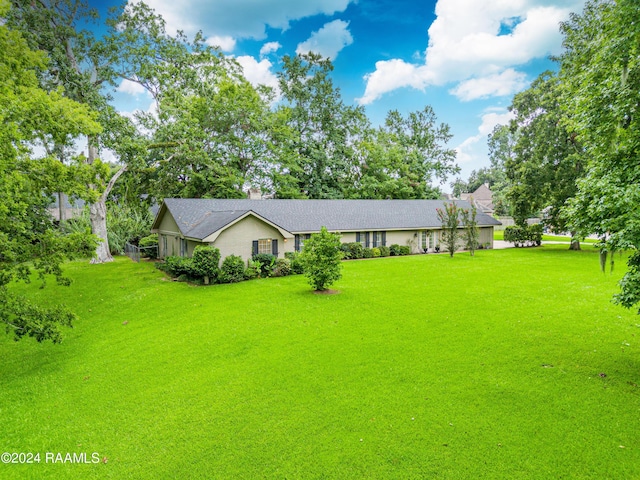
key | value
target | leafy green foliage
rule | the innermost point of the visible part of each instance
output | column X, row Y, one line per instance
column 281, row 268
column 267, row 261
column 149, row 246
column 396, row 250
column 232, row 269
column 547, row 159
column 206, row 261
column 471, row 233
column 321, row 258
column 297, row 267
column 630, row 284
column 384, row 251
column 177, row 266
column 28, row 240
column 402, row 158
column 450, row 219
column 524, row 236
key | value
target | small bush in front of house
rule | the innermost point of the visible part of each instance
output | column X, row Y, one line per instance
column 206, row 261
column 405, row 250
column 321, row 258
column 177, row 266
column 253, row 269
column 296, row 264
column 375, row 252
column 384, row 251
column 367, row 253
column 356, row 250
column 346, row 251
column 282, row 268
column 267, row 262
column 394, row 250
column 232, row 270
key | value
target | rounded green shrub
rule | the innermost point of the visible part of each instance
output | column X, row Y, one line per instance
column 282, row 268
column 232, row 270
column 206, row 261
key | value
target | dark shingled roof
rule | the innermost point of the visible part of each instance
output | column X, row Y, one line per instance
column 199, row 218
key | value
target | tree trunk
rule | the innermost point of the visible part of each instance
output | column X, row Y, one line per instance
column 575, row 243
column 98, row 216
column 61, row 202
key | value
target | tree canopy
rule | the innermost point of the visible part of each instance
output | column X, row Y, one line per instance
column 29, row 242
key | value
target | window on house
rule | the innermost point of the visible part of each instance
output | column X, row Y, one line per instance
column 363, row 238
column 377, row 239
column 300, row 239
column 164, row 245
column 265, row 245
column 183, row 247
column 424, row 243
column 430, row 239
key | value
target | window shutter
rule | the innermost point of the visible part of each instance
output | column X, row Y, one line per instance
column 254, row 248
column 357, row 237
column 366, row 239
column 297, row 243
column 375, row 239
column 274, row 247
column 384, row 239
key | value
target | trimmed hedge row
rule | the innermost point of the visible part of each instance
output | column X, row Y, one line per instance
column 520, row 236
column 355, row 250
column 202, row 267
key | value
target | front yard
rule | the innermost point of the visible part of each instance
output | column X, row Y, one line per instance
column 510, row 364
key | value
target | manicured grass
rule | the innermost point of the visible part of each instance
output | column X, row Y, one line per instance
column 510, row 364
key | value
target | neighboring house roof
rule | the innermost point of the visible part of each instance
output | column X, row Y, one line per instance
column 482, row 197
column 201, row 218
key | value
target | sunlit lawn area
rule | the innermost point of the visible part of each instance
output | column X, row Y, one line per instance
column 510, row 364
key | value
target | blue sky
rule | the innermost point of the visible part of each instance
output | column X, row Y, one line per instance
column 465, row 58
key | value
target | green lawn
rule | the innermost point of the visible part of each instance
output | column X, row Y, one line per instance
column 511, row 364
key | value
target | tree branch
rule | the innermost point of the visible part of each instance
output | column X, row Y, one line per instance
column 112, row 182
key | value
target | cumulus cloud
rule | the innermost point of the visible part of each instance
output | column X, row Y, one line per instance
column 258, row 73
column 468, row 150
column 328, row 41
column 131, row 88
column 239, row 18
column 468, row 43
column 269, row 47
column 391, row 75
column 226, row 43
column 498, row 85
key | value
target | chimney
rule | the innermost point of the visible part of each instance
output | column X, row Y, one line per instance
column 254, row 193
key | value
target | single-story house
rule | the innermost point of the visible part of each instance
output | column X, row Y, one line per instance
column 245, row 227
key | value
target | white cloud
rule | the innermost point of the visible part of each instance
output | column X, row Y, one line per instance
column 465, row 43
column 239, row 18
column 131, row 88
column 328, row 41
column 498, row 85
column 258, row 73
column 491, row 119
column 471, row 149
column 226, row 43
column 269, row 47
column 391, row 75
